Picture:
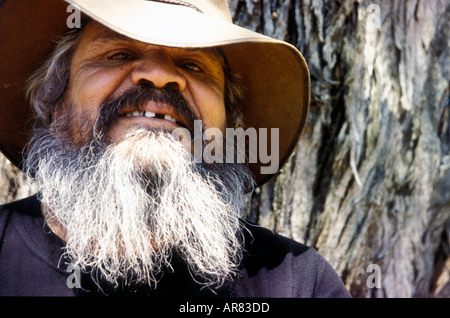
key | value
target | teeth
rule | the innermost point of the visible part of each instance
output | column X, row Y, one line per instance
column 169, row 118
column 151, row 115
column 134, row 114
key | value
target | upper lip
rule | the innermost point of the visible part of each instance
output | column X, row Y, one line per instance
column 161, row 109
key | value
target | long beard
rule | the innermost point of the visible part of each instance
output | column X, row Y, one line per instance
column 127, row 208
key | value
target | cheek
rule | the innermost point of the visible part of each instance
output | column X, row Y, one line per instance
column 211, row 106
column 85, row 94
column 90, row 89
column 67, row 125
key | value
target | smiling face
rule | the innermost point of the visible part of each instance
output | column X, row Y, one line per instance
column 106, row 65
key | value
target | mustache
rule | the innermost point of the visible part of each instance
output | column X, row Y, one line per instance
column 135, row 99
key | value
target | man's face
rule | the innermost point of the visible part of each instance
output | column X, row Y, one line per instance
column 105, row 65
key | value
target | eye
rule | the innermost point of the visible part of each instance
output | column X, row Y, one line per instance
column 192, row 67
column 119, row 56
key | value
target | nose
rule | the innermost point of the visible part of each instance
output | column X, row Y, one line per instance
column 158, row 68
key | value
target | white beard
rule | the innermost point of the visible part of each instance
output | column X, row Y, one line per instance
column 127, row 209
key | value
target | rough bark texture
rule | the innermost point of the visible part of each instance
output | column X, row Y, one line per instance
column 13, row 185
column 369, row 182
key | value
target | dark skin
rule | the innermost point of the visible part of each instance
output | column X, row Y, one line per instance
column 106, row 64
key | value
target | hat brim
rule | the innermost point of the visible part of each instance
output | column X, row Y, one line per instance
column 274, row 74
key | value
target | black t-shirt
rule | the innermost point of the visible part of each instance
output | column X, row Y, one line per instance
column 32, row 264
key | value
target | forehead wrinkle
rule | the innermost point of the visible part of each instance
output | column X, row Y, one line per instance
column 105, row 37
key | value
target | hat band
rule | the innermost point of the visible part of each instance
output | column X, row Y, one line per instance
column 178, row 2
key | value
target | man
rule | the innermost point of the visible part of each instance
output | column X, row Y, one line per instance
column 125, row 205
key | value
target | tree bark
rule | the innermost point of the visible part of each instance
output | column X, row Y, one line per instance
column 13, row 185
column 369, row 182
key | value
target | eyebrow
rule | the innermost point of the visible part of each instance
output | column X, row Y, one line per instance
column 110, row 35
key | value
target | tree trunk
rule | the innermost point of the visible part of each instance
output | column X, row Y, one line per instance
column 369, row 182
column 13, row 185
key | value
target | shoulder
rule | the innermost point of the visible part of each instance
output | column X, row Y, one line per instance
column 277, row 266
column 24, row 207
column 270, row 246
column 29, row 205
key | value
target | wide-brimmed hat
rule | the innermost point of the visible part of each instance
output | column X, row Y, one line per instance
column 274, row 74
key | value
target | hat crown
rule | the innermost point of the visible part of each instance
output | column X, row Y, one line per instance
column 215, row 8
